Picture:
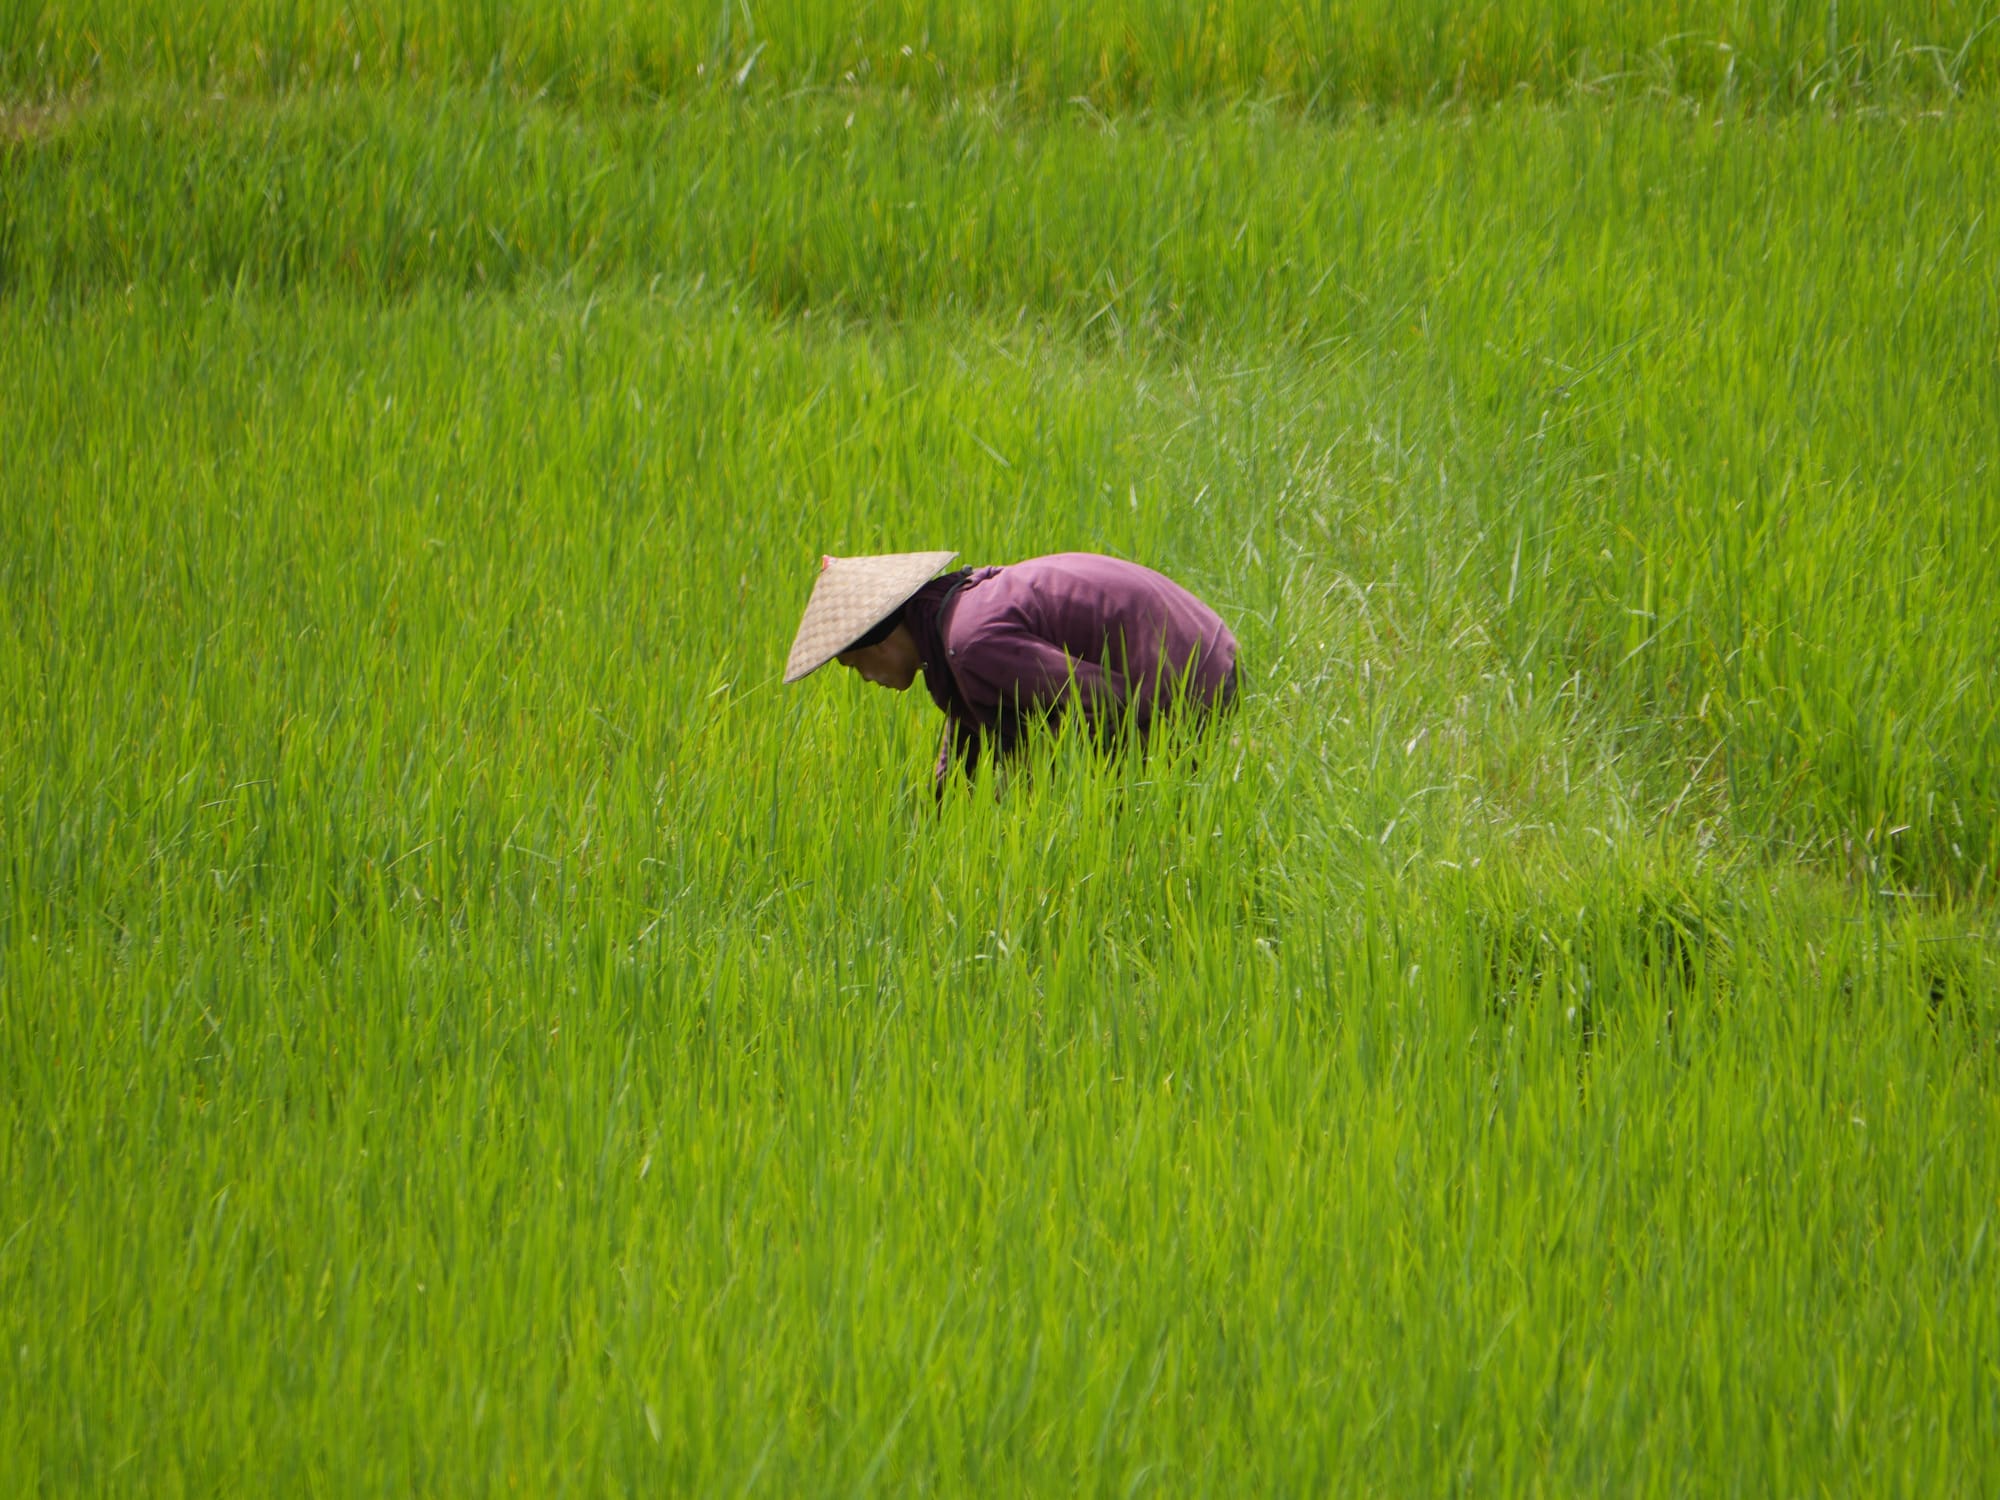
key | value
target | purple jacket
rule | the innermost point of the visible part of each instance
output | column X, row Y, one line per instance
column 1036, row 637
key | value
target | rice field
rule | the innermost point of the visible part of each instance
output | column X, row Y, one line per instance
column 465, row 1028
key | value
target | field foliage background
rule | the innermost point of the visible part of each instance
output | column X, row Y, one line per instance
column 464, row 1027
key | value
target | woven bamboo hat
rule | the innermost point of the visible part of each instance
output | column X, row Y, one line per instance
column 851, row 596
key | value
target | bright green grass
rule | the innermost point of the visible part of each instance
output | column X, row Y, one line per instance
column 464, row 1027
column 1319, row 54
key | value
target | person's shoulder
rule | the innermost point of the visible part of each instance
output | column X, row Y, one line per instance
column 998, row 604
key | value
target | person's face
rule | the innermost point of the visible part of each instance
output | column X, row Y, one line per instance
column 890, row 663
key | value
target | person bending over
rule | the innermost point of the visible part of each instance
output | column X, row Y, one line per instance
column 1003, row 648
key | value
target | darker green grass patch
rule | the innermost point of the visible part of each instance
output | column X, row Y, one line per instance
column 1110, row 54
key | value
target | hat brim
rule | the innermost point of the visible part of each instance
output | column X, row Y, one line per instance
column 851, row 596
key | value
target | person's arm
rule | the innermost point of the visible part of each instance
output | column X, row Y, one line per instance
column 1025, row 677
column 960, row 742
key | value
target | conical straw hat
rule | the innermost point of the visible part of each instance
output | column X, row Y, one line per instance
column 851, row 596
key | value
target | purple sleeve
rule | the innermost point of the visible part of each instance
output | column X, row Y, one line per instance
column 1029, row 640
column 1015, row 673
